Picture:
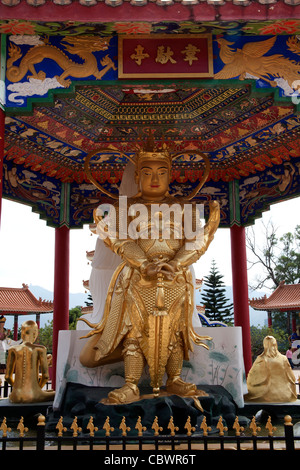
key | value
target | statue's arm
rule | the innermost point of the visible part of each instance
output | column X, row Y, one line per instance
column 10, row 366
column 192, row 250
column 43, row 366
column 130, row 252
column 116, row 238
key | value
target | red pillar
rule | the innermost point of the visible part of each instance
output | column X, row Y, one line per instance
column 270, row 319
column 294, row 322
column 240, row 289
column 16, row 327
column 2, row 122
column 61, row 290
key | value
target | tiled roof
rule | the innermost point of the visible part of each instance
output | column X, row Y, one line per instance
column 87, row 309
column 200, row 308
column 90, row 255
column 22, row 301
column 286, row 297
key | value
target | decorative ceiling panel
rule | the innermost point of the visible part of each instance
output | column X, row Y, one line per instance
column 247, row 124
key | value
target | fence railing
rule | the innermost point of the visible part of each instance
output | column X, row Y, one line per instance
column 123, row 438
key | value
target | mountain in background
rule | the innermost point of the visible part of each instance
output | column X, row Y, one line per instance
column 74, row 299
column 79, row 299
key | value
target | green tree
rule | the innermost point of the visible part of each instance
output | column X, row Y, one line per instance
column 278, row 259
column 89, row 301
column 217, row 306
column 46, row 333
column 258, row 333
column 46, row 336
column 74, row 314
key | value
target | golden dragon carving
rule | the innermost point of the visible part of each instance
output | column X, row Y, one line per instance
column 251, row 59
column 83, row 46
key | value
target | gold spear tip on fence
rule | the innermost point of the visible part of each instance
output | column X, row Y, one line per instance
column 123, row 427
column 108, row 428
column 204, row 426
column 172, row 426
column 156, row 427
column 189, row 427
column 140, row 427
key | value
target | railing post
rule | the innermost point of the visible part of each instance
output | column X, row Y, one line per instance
column 289, row 433
column 40, row 434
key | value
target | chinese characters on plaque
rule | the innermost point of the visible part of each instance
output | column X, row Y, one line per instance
column 165, row 56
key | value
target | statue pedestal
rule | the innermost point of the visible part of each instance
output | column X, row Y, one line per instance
column 83, row 402
column 221, row 365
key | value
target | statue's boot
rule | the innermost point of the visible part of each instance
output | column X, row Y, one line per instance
column 126, row 394
column 134, row 363
column 175, row 385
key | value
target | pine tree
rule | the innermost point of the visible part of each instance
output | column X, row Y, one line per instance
column 217, row 306
column 89, row 301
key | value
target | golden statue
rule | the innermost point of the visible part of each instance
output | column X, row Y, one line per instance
column 271, row 378
column 148, row 312
column 27, row 368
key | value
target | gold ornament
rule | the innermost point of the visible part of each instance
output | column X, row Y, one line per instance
column 205, row 428
column 172, row 427
column 108, row 428
column 123, row 427
column 21, row 427
column 221, row 427
column 190, row 429
column 270, row 427
column 4, row 428
column 90, row 427
column 156, row 427
column 236, row 426
column 254, row 428
column 75, row 428
column 140, row 427
column 60, row 427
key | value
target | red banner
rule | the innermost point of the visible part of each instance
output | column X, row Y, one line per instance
column 165, row 56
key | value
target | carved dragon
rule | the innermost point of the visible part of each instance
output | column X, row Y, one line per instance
column 251, row 59
column 83, row 46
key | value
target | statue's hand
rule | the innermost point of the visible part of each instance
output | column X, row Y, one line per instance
column 168, row 269
column 151, row 269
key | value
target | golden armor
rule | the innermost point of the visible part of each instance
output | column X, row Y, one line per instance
column 148, row 313
column 27, row 368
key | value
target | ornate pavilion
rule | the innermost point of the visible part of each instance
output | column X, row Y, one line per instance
column 220, row 76
column 284, row 299
column 20, row 301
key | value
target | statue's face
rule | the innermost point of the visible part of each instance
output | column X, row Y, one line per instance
column 154, row 179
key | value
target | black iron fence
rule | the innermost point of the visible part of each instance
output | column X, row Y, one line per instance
column 123, row 438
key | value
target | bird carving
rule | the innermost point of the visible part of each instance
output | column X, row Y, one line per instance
column 251, row 59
